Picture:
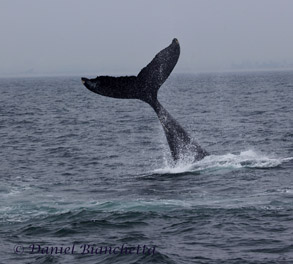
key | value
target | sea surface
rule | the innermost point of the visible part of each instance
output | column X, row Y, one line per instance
column 89, row 179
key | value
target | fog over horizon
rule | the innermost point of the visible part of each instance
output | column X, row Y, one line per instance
column 120, row 37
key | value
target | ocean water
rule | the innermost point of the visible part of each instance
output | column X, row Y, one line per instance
column 89, row 179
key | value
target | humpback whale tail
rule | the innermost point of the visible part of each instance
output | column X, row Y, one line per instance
column 145, row 87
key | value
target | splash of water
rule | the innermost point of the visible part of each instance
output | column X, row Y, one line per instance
column 245, row 159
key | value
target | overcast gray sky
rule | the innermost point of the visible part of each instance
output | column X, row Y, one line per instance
column 121, row 37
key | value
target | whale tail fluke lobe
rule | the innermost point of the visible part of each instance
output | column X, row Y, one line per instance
column 145, row 87
column 151, row 77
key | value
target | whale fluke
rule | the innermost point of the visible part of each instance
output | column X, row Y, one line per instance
column 145, row 87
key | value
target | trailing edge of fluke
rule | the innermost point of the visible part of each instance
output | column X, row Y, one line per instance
column 145, row 87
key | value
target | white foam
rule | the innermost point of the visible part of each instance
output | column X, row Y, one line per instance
column 245, row 159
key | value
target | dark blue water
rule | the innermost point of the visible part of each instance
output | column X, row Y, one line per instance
column 84, row 171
